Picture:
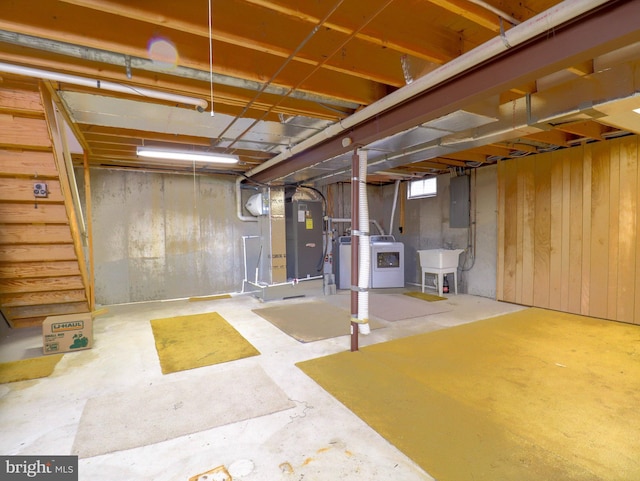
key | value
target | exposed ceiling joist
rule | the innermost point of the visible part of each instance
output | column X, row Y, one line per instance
column 292, row 79
column 570, row 44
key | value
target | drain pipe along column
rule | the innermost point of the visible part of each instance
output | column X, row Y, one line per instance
column 360, row 251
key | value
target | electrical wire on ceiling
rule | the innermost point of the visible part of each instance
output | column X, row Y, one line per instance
column 319, row 65
column 211, row 57
column 291, row 56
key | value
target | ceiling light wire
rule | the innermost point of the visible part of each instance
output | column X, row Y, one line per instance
column 211, row 57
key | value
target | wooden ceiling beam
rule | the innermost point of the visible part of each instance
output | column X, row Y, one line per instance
column 449, row 162
column 465, row 156
column 240, row 59
column 424, row 51
column 552, row 137
column 528, row 88
column 93, row 132
column 581, row 69
column 423, row 166
column 587, row 128
column 571, row 43
column 236, row 38
column 223, row 96
column 520, row 147
column 473, row 13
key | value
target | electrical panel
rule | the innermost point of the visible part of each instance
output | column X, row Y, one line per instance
column 460, row 199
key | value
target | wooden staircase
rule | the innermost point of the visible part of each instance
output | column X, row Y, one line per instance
column 42, row 267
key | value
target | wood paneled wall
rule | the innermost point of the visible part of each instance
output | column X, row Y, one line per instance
column 569, row 230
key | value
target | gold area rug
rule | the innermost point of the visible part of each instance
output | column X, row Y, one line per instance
column 26, row 369
column 188, row 342
column 425, row 296
column 311, row 321
column 529, row 396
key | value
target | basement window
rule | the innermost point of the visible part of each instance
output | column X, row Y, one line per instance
column 422, row 188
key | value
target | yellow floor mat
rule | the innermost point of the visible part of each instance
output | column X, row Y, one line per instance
column 188, row 342
column 532, row 395
column 26, row 369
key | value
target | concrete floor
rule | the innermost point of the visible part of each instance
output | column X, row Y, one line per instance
column 319, row 439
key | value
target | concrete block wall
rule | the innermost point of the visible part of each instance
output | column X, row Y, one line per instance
column 164, row 236
column 167, row 236
column 426, row 226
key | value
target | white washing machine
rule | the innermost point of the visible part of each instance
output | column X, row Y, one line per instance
column 387, row 262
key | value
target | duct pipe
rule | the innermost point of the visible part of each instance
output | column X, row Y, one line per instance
column 200, row 104
column 393, row 207
column 535, row 26
column 241, row 216
column 364, row 248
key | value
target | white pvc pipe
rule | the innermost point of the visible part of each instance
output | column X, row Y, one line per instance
column 497, row 11
column 541, row 23
column 393, row 207
column 373, row 221
column 102, row 84
column 364, row 254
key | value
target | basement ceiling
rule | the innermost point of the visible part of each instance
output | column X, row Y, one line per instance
column 292, row 87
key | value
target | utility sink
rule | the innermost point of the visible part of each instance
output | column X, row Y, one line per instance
column 440, row 258
column 440, row 262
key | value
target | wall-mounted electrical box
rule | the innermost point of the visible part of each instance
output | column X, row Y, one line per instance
column 40, row 189
column 459, row 207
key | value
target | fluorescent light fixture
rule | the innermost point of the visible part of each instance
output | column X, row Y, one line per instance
column 209, row 157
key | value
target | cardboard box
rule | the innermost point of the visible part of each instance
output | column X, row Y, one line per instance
column 72, row 332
